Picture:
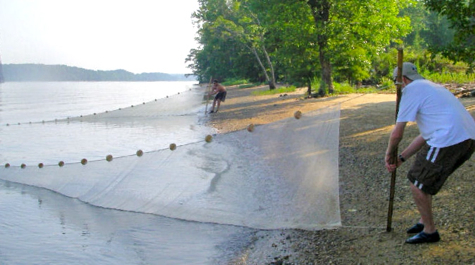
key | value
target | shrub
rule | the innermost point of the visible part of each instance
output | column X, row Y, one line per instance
column 274, row 91
column 233, row 82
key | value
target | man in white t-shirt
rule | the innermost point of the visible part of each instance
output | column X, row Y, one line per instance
column 446, row 141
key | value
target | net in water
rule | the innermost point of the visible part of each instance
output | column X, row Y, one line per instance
column 278, row 175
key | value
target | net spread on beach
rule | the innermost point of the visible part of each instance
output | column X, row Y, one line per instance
column 279, row 175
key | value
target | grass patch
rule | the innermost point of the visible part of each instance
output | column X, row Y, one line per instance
column 247, row 85
column 234, row 82
column 386, row 83
column 453, row 77
column 345, row 88
column 274, row 91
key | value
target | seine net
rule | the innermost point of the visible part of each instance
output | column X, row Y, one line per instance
column 279, row 175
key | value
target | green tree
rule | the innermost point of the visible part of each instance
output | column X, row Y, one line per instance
column 291, row 39
column 429, row 28
column 243, row 25
column 295, row 40
column 231, row 37
column 211, row 59
column 352, row 33
column 461, row 15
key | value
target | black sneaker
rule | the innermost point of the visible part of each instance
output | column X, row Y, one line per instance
column 424, row 238
column 211, row 111
column 417, row 228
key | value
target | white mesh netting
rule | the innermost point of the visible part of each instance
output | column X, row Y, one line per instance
column 280, row 175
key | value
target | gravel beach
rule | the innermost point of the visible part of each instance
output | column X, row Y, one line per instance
column 365, row 123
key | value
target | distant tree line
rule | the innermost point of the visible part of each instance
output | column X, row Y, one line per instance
column 1, row 74
column 41, row 73
column 353, row 41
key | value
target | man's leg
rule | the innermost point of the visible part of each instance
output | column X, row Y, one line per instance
column 219, row 104
column 424, row 205
column 214, row 104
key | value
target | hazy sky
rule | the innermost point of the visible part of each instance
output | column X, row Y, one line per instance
column 134, row 35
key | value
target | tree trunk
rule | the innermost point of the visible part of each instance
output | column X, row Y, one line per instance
column 321, row 14
column 309, row 87
column 327, row 82
column 269, row 81
column 272, row 80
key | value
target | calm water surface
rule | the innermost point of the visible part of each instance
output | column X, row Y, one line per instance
column 38, row 226
column 22, row 102
column 25, row 138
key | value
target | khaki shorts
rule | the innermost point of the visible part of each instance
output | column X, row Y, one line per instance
column 434, row 165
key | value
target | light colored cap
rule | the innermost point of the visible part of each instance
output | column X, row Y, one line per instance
column 409, row 70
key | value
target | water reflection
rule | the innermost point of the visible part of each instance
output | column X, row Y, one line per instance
column 54, row 229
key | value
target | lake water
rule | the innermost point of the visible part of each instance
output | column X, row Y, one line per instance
column 38, row 226
column 28, row 112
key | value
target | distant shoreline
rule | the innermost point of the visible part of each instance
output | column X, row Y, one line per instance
column 119, row 81
column 61, row 73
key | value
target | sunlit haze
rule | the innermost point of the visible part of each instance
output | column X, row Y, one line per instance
column 137, row 36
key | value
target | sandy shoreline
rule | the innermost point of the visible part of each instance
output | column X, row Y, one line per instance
column 365, row 124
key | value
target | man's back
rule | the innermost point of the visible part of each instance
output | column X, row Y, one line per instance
column 441, row 117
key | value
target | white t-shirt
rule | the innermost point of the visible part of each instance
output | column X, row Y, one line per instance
column 442, row 119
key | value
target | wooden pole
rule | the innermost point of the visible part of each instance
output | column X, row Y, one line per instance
column 208, row 89
column 393, row 174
